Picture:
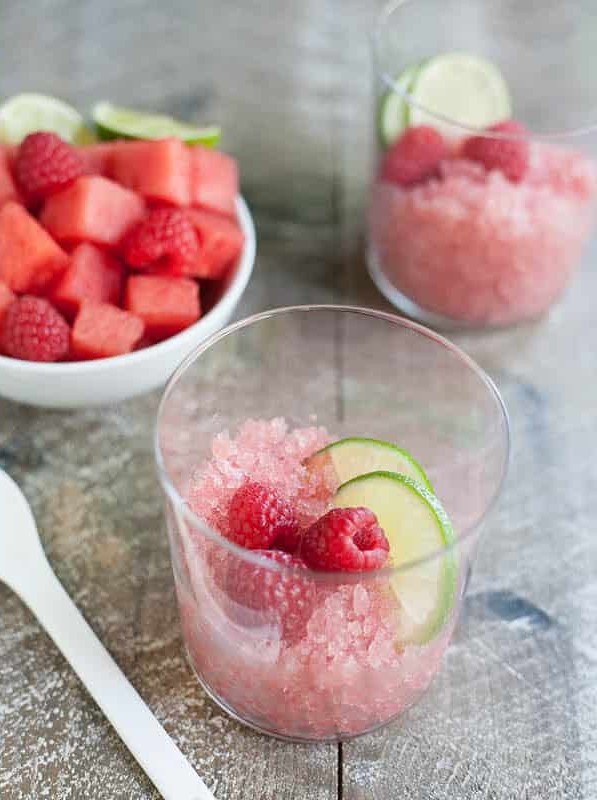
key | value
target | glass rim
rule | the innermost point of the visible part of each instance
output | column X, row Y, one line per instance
column 391, row 83
column 182, row 507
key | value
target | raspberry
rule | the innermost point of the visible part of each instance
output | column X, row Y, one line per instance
column 34, row 331
column 164, row 240
column 258, row 517
column 45, row 164
column 414, row 157
column 345, row 539
column 289, row 539
column 510, row 156
column 285, row 594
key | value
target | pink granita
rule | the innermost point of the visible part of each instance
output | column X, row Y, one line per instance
column 475, row 247
column 338, row 671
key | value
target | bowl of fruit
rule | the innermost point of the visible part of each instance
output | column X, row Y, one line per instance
column 117, row 257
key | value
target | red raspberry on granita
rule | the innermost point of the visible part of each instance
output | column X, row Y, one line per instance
column 281, row 594
column 510, row 156
column 414, row 157
column 258, row 517
column 345, row 540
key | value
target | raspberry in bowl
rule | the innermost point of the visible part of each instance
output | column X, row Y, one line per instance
column 320, row 531
column 484, row 195
column 116, row 260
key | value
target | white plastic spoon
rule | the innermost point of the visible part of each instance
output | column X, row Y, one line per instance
column 25, row 569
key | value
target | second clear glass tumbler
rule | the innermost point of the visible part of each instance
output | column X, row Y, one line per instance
column 482, row 220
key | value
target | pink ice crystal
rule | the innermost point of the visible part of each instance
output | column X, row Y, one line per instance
column 475, row 247
column 346, row 673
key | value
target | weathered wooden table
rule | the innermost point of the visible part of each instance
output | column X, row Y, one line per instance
column 514, row 712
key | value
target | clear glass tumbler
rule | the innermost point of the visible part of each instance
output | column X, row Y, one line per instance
column 297, row 653
column 472, row 244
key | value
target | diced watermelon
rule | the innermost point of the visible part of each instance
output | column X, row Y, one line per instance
column 166, row 305
column 30, row 260
column 158, row 170
column 220, row 243
column 214, row 180
column 6, row 299
column 92, row 275
column 101, row 330
column 98, row 157
column 92, row 209
column 8, row 186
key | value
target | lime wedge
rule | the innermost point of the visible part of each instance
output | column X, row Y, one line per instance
column 462, row 88
column 393, row 108
column 416, row 526
column 27, row 113
column 115, row 122
column 357, row 456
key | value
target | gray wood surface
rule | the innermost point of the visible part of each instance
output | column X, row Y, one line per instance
column 514, row 712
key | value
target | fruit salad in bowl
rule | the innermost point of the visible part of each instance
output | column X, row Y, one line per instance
column 116, row 257
column 319, row 574
column 484, row 195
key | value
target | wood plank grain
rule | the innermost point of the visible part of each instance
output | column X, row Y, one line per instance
column 90, row 475
column 513, row 714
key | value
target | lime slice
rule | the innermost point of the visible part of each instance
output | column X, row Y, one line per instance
column 462, row 88
column 393, row 108
column 27, row 113
column 356, row 456
column 115, row 122
column 416, row 526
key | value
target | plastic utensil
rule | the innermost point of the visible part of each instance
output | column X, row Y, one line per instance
column 25, row 569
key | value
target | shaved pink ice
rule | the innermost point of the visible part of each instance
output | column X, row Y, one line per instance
column 475, row 247
column 346, row 673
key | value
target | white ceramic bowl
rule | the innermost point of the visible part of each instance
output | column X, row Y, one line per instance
column 108, row 380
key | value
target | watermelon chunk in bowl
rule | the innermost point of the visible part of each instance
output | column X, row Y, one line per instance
column 166, row 304
column 158, row 170
column 220, row 242
column 102, row 330
column 92, row 275
column 30, row 259
column 214, row 181
column 98, row 157
column 92, row 209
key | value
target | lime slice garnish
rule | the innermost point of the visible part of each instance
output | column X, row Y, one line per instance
column 393, row 108
column 27, row 113
column 416, row 526
column 463, row 88
column 115, row 122
column 357, row 456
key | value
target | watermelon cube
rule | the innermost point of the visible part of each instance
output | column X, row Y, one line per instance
column 30, row 260
column 92, row 275
column 8, row 187
column 102, row 330
column 166, row 305
column 92, row 209
column 220, row 243
column 6, row 299
column 158, row 170
column 98, row 158
column 214, row 180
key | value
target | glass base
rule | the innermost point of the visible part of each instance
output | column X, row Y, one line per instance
column 296, row 739
column 414, row 311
